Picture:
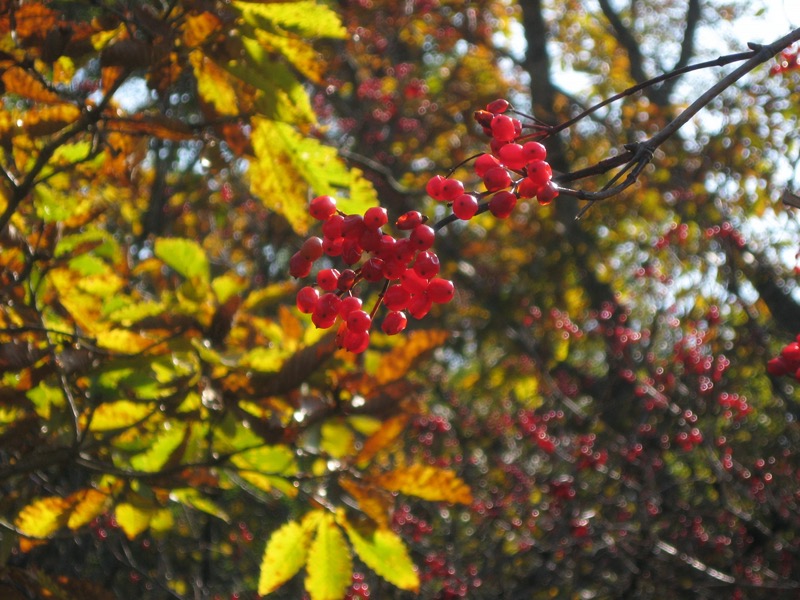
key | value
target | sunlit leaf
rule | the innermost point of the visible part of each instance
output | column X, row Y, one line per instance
column 214, row 84
column 119, row 415
column 426, row 482
column 88, row 504
column 20, row 82
column 397, row 363
column 134, row 519
column 338, row 439
column 195, row 499
column 165, row 443
column 384, row 552
column 306, row 18
column 375, row 502
column 389, row 431
column 185, row 256
column 43, row 517
column 198, row 28
column 284, row 556
column 330, row 567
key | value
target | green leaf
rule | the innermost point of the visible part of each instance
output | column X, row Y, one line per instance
column 330, row 565
column 186, row 257
column 284, row 555
column 338, row 439
column 384, row 552
column 165, row 444
column 306, row 18
column 193, row 498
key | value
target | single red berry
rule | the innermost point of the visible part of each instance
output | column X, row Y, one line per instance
column 440, row 290
column 299, row 265
column 501, row 204
column 312, row 248
column 435, row 187
column 451, row 189
column 777, row 367
column 419, row 305
column 394, row 323
column 791, row 353
column 351, row 251
column 348, row 305
column 526, row 188
column 327, row 279
column 356, row 341
column 326, row 311
column 422, row 237
column 394, row 269
column 412, row 282
column 465, row 206
column 496, row 179
column 333, row 247
column 376, row 217
column 358, row 320
column 512, row 156
column 547, row 194
column 426, row 265
column 485, row 162
column 498, row 106
column 396, row 297
column 503, row 128
column 483, row 118
column 353, row 226
column 372, row 270
column 332, row 228
column 307, row 298
column 370, row 240
column 322, row 207
column 404, row 250
column 409, row 220
column 534, row 151
column 386, row 247
column 346, row 281
column 539, row 172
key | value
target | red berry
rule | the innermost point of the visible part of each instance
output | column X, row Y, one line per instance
column 547, row 194
column 299, row 265
column 332, row 228
column 327, row 279
column 396, row 297
column 358, row 320
column 451, row 189
column 483, row 118
column 441, row 290
column 348, row 305
column 326, row 311
column 503, row 128
column 404, row 250
column 353, row 226
column 322, row 207
column 346, row 281
column 539, row 172
column 409, row 220
column 394, row 323
column 426, row 265
column 356, row 341
column 465, row 206
column 351, row 251
column 485, row 162
column 498, row 106
column 435, row 187
column 412, row 282
column 311, row 248
column 512, row 156
column 502, row 204
column 419, row 305
column 534, row 151
column 375, row 217
column 422, row 237
column 496, row 179
column 791, row 353
column 393, row 269
column 370, row 240
column 333, row 247
column 526, row 188
column 372, row 270
column 307, row 298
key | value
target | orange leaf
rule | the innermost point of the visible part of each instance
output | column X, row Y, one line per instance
column 399, row 361
column 50, row 119
column 20, row 82
column 198, row 28
column 34, row 19
column 160, row 127
column 388, row 433
column 426, row 482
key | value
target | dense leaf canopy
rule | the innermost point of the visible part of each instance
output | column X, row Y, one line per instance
column 598, row 412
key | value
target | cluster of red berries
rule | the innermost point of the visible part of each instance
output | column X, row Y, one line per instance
column 788, row 363
column 406, row 266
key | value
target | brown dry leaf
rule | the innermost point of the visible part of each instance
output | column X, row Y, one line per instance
column 426, row 482
column 50, row 119
column 399, row 361
column 20, row 82
column 160, row 127
column 375, row 502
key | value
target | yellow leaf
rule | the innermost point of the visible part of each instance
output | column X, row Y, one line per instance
column 338, row 439
column 44, row 517
column 132, row 519
column 388, row 433
column 284, row 555
column 298, row 52
column 214, row 84
column 426, row 482
column 47, row 120
column 123, row 340
column 330, row 566
column 306, row 18
column 384, row 552
column 89, row 504
column 119, row 415
column 397, row 363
